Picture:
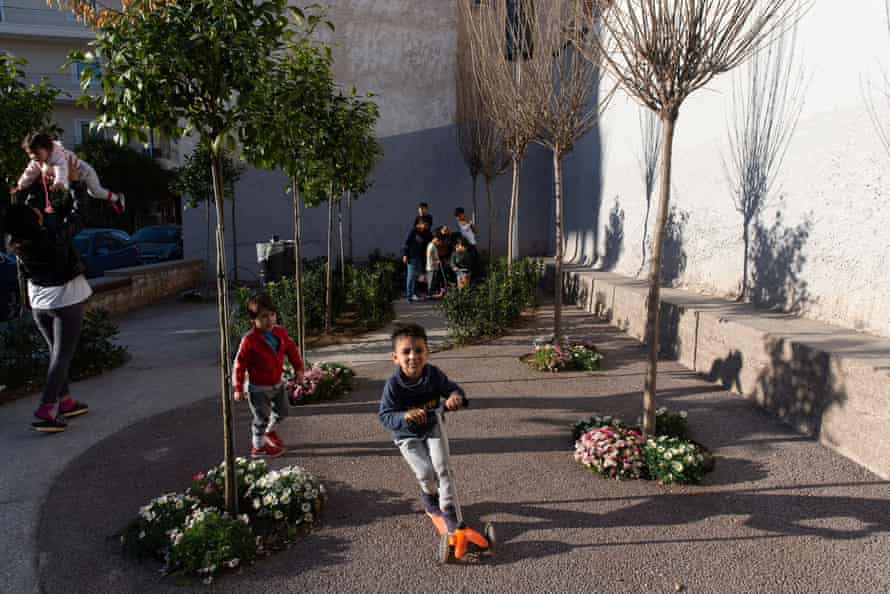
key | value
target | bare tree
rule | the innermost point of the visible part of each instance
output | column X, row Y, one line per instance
column 505, row 96
column 766, row 104
column 564, row 74
column 883, row 90
column 660, row 52
column 480, row 139
column 650, row 137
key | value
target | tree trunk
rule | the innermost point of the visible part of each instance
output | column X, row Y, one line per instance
column 231, row 486
column 746, row 240
column 298, row 269
column 514, row 211
column 329, row 276
column 490, row 222
column 653, row 304
column 475, row 177
column 645, row 229
column 342, row 248
column 557, row 193
column 234, row 244
column 349, row 204
column 207, row 283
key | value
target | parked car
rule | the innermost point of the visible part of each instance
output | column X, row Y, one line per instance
column 158, row 243
column 9, row 287
column 105, row 249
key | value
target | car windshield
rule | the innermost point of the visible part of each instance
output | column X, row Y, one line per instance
column 81, row 244
column 155, row 235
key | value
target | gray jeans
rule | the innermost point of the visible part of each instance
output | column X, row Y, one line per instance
column 61, row 331
column 268, row 406
column 90, row 178
column 429, row 461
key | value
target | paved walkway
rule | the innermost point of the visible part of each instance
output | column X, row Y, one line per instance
column 779, row 514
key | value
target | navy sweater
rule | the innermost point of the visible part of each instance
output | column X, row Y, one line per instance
column 401, row 395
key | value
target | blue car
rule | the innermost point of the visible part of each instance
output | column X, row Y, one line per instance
column 105, row 249
column 9, row 287
column 158, row 243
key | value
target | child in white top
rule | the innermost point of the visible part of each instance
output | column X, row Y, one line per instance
column 50, row 159
column 435, row 282
column 466, row 226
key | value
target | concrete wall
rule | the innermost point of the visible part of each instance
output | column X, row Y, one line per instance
column 828, row 383
column 825, row 246
column 404, row 52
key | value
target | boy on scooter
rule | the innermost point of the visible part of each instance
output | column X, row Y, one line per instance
column 407, row 408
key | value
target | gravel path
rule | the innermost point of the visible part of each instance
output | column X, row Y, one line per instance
column 779, row 514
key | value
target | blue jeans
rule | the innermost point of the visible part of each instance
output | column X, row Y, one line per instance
column 413, row 267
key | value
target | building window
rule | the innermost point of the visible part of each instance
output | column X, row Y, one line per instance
column 2, row 13
column 84, row 130
column 77, row 71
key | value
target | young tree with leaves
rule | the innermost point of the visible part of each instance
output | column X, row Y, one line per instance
column 660, row 52
column 194, row 180
column 189, row 68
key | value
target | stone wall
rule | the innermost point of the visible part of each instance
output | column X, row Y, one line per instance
column 126, row 289
column 826, row 382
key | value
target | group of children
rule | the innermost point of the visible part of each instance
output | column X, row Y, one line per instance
column 408, row 406
column 438, row 256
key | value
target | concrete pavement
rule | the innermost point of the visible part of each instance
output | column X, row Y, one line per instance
column 779, row 514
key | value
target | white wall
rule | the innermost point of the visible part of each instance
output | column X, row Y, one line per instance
column 832, row 185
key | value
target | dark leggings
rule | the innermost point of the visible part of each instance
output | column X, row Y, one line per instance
column 61, row 330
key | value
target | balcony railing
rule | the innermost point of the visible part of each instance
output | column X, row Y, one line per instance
column 19, row 13
column 65, row 81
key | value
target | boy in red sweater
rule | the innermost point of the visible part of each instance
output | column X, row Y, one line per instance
column 261, row 355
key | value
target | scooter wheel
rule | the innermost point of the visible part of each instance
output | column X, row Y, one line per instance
column 446, row 553
column 491, row 537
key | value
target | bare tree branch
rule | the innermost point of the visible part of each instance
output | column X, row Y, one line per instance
column 870, row 89
column 650, row 137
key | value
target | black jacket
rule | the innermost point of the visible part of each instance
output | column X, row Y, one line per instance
column 50, row 259
column 415, row 245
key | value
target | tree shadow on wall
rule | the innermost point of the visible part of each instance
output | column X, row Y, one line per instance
column 614, row 238
column 673, row 254
column 778, row 261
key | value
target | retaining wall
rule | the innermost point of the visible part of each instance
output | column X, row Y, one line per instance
column 126, row 289
column 827, row 382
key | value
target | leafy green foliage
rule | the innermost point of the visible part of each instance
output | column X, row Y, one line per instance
column 489, row 306
column 24, row 108
column 672, row 460
column 195, row 180
column 24, row 356
column 321, row 381
column 670, row 423
column 147, row 535
column 209, row 541
column 372, row 291
column 561, row 355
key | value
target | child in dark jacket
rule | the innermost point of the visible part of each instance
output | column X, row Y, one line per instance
column 407, row 407
column 261, row 355
column 414, row 253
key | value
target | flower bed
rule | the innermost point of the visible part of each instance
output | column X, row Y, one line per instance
column 321, row 381
column 191, row 534
column 609, row 448
column 551, row 355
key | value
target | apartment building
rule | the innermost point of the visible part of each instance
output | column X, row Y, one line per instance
column 44, row 36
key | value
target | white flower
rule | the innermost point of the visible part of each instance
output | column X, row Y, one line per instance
column 677, row 466
column 306, row 508
column 684, row 414
column 142, row 534
column 285, row 499
column 668, row 456
column 257, row 503
column 180, row 504
column 278, row 514
column 267, row 499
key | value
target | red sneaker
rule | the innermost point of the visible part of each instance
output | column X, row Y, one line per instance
column 267, row 451
column 119, row 205
column 273, row 439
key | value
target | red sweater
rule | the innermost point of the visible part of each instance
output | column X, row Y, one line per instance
column 256, row 357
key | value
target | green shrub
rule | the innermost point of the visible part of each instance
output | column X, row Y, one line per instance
column 553, row 356
column 283, row 500
column 97, row 350
column 371, row 291
column 670, row 423
column 24, row 356
column 321, row 381
column 672, row 460
column 595, row 421
column 493, row 303
column 209, row 541
column 148, row 535
column 210, row 487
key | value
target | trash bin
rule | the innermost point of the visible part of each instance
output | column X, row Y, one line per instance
column 275, row 259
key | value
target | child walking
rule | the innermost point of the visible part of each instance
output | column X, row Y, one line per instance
column 261, row 355
column 50, row 159
column 407, row 407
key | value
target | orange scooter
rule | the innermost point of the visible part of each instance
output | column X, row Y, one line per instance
column 456, row 546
